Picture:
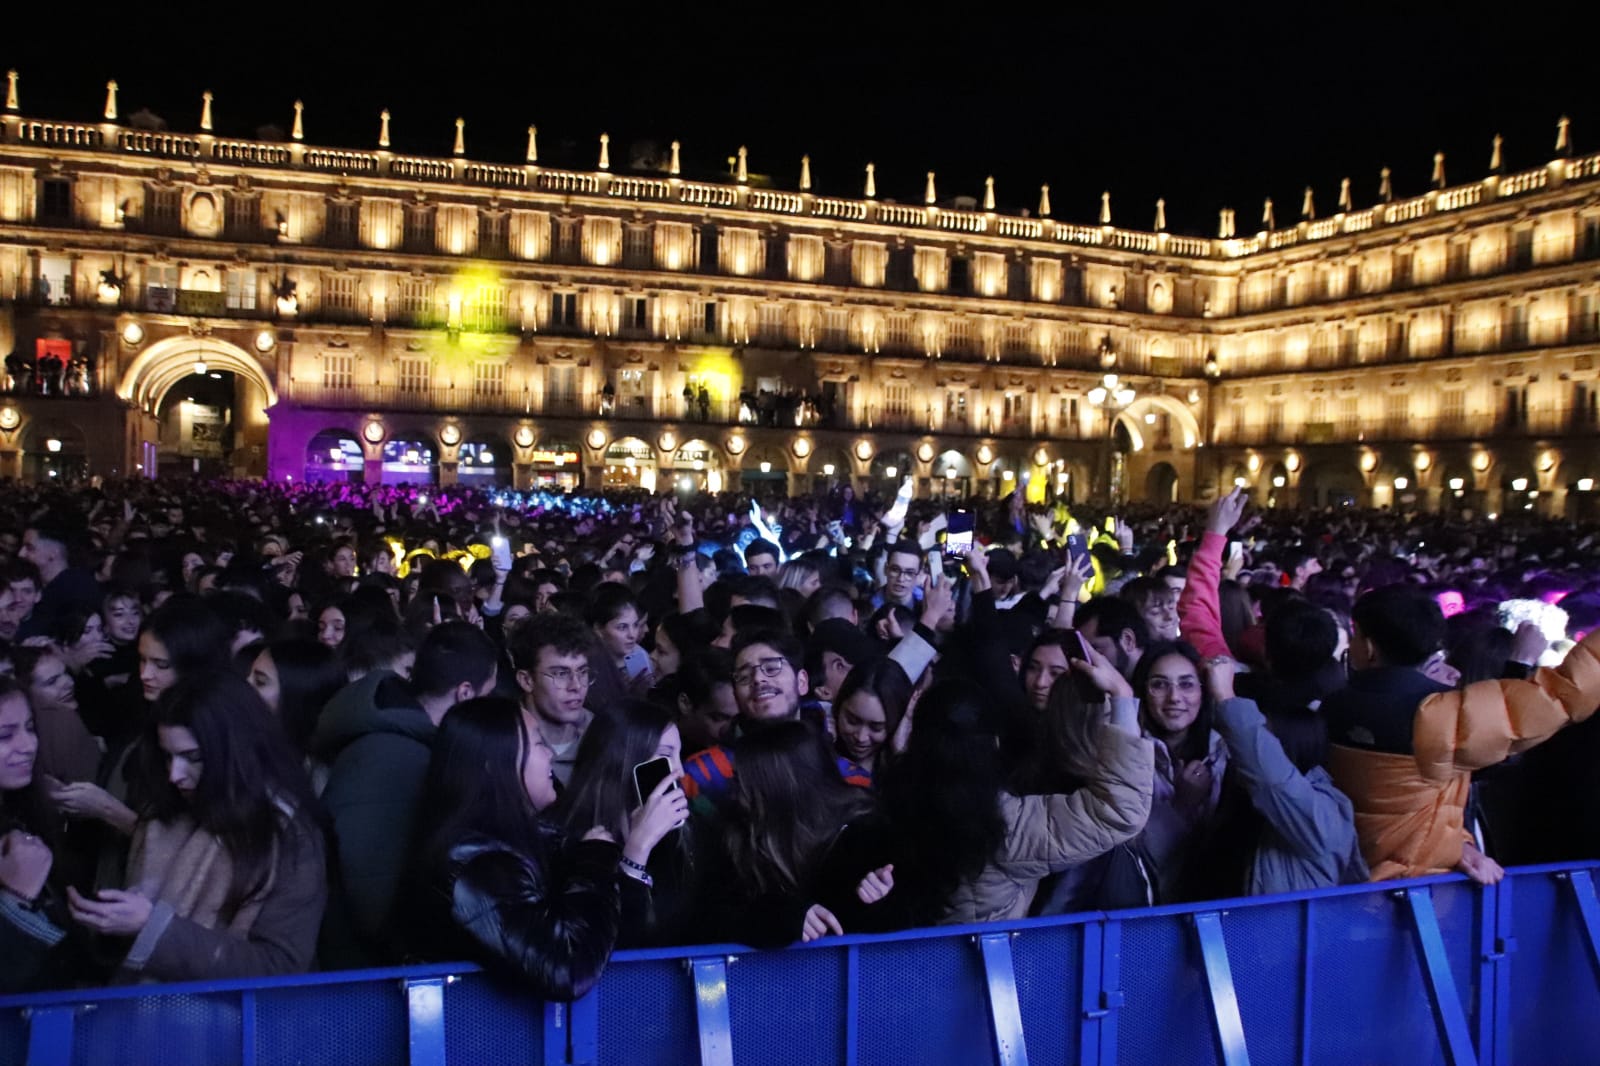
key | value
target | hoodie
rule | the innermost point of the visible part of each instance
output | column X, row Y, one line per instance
column 376, row 741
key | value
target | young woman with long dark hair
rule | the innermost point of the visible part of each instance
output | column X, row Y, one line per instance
column 226, row 874
column 797, row 845
column 32, row 909
column 975, row 851
column 657, row 858
column 296, row 678
column 495, row 882
column 868, row 709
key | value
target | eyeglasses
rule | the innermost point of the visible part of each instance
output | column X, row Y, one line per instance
column 1160, row 686
column 745, row 676
column 901, row 571
column 568, row 678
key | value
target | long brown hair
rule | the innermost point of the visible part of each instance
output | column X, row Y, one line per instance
column 790, row 804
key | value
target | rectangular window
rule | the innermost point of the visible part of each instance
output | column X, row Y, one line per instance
column 1016, row 339
column 339, row 295
column 415, row 374
column 773, row 331
column 958, row 336
column 344, row 222
column 416, row 300
column 1585, row 404
column 637, row 247
column 55, row 279
column 485, row 312
column 493, row 231
column 243, row 216
column 836, row 329
column 563, row 309
column 1349, row 415
column 55, row 200
column 488, row 380
column 161, row 286
column 636, row 314
column 561, row 386
column 338, row 370
column 241, row 290
column 1516, row 411
column 708, row 318
column 897, row 398
column 1397, row 409
column 161, row 210
column 899, row 332
column 419, row 229
column 1453, row 408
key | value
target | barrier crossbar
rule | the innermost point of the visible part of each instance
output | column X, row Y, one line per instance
column 1436, row 970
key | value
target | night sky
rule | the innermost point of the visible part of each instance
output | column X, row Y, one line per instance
column 1211, row 109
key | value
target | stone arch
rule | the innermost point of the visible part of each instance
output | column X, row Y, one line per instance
column 1332, row 483
column 1161, row 483
column 334, row 454
column 166, row 362
column 1184, row 428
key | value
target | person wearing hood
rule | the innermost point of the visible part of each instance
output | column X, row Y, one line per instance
column 376, row 738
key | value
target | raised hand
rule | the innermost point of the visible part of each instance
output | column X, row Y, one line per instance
column 876, row 885
column 1225, row 511
column 665, row 809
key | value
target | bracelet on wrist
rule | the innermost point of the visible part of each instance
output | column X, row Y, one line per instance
column 630, row 864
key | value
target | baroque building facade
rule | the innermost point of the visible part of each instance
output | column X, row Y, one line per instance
column 275, row 309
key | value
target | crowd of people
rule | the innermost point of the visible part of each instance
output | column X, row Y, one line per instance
column 252, row 729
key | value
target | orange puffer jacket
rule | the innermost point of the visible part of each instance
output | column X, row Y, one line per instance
column 1410, row 809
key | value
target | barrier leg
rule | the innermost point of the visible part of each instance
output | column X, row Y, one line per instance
column 50, row 1036
column 711, row 1007
column 1005, row 1013
column 1101, row 993
column 1582, row 884
column 425, row 1017
column 1224, row 998
column 1447, row 1010
column 1494, row 973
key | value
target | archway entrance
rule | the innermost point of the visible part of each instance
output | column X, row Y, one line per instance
column 1332, row 484
column 410, row 460
column 484, row 462
column 697, row 466
column 335, row 455
column 1161, row 484
column 630, row 463
column 952, row 476
column 55, row 451
column 211, row 399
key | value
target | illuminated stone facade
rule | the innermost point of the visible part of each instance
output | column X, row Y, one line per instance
column 390, row 316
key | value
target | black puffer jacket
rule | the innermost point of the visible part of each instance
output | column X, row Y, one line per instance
column 545, row 916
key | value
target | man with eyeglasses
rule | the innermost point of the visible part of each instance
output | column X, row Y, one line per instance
column 769, row 682
column 902, row 572
column 551, row 656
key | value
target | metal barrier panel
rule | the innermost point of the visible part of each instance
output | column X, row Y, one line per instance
column 1321, row 977
column 920, row 1001
column 647, row 1014
column 1555, row 999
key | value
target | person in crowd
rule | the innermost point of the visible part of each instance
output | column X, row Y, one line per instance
column 67, row 750
column 226, row 874
column 968, row 848
column 48, row 543
column 658, row 887
column 705, row 701
column 33, row 915
column 797, row 844
column 803, row 574
column 867, row 714
column 1176, row 712
column 1114, row 628
column 552, row 656
column 902, row 570
column 296, row 678
column 618, row 623
column 1157, row 603
column 761, row 558
column 494, row 880
column 376, row 737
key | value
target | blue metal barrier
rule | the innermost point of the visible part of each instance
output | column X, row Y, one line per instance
column 1431, row 971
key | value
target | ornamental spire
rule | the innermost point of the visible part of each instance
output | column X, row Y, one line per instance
column 1308, row 206
column 605, row 151
column 1161, row 216
column 674, row 167
column 872, row 181
column 1269, row 220
column 383, row 128
column 1346, row 201
column 111, row 101
column 805, row 173
column 11, row 90
column 460, row 147
column 533, row 145
column 1044, row 201
column 1385, row 186
column 299, row 131
column 1564, row 136
column 928, row 195
column 988, row 194
column 1495, row 162
column 1105, row 208
column 742, row 175
column 1438, row 170
column 205, row 112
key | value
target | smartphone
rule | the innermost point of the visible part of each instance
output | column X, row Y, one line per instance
column 500, row 552
column 1077, row 547
column 647, row 775
column 958, row 532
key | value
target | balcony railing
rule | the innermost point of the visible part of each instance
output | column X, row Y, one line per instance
column 1538, row 422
